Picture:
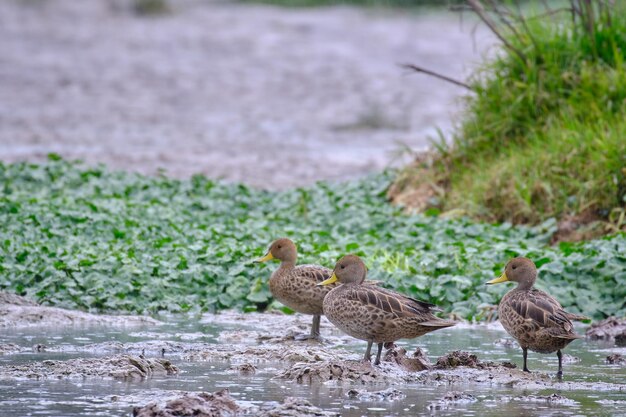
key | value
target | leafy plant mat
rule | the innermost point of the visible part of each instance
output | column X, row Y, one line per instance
column 89, row 238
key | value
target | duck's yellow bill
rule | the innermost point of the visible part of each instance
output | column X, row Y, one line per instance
column 333, row 278
column 267, row 257
column 501, row 278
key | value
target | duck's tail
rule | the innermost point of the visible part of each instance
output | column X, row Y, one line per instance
column 438, row 323
column 577, row 317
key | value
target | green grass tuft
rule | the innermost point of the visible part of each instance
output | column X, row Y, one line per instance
column 543, row 135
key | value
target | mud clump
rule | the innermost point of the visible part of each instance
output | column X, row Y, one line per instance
column 418, row 361
column 553, row 399
column 353, row 371
column 189, row 404
column 9, row 348
column 16, row 311
column 466, row 359
column 117, row 367
column 607, row 329
column 244, row 369
column 390, row 394
column 616, row 359
column 451, row 398
column 458, row 358
column 506, row 343
column 291, row 407
column 221, row 404
column 284, row 353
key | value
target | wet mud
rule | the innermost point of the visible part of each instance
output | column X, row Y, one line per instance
column 117, row 367
column 612, row 328
column 16, row 311
column 260, row 347
column 222, row 404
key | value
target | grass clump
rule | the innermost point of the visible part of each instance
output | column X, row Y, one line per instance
column 98, row 240
column 544, row 131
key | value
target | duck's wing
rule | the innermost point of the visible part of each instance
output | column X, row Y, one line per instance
column 315, row 273
column 544, row 311
column 387, row 301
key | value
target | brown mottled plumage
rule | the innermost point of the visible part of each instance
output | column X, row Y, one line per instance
column 372, row 313
column 534, row 318
column 296, row 286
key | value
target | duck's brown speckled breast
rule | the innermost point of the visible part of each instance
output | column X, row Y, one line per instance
column 297, row 287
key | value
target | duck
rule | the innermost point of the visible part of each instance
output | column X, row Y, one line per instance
column 296, row 285
column 372, row 313
column 534, row 318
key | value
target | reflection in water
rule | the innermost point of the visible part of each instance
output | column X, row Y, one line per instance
column 104, row 397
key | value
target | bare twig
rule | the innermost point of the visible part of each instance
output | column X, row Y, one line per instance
column 525, row 25
column 503, row 18
column 436, row 75
column 480, row 11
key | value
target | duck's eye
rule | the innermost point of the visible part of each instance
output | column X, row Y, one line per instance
column 514, row 266
column 279, row 246
column 343, row 267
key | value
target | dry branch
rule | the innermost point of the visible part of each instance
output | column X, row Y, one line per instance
column 436, row 75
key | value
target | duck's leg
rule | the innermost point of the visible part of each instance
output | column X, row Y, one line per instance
column 380, row 349
column 315, row 327
column 315, row 330
column 525, row 353
column 559, row 355
column 368, row 352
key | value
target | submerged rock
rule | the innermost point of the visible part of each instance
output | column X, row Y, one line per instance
column 117, row 367
column 244, row 368
column 616, row 359
column 607, row 329
column 451, row 398
column 389, row 394
column 506, row 343
column 16, row 311
column 548, row 399
column 192, row 404
column 291, row 407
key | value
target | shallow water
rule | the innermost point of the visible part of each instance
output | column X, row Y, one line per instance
column 97, row 396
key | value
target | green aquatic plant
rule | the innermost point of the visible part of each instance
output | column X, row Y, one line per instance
column 100, row 240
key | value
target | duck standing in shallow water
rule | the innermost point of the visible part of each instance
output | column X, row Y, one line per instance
column 372, row 313
column 534, row 318
column 296, row 286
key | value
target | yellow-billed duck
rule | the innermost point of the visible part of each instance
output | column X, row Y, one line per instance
column 534, row 318
column 372, row 313
column 296, row 286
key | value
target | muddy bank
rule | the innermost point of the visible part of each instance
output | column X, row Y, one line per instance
column 612, row 328
column 221, row 404
column 265, row 88
column 16, row 311
column 116, row 367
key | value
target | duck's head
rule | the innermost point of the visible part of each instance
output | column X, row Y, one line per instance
column 282, row 249
column 349, row 269
column 520, row 270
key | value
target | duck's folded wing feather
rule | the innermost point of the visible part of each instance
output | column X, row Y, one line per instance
column 314, row 272
column 389, row 301
column 544, row 311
